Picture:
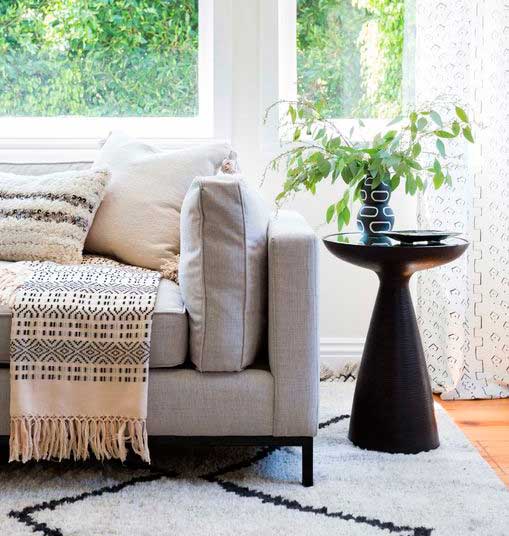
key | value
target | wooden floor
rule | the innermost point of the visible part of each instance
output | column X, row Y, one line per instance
column 486, row 424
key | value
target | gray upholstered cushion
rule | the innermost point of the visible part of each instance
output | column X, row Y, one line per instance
column 223, row 272
column 186, row 402
column 169, row 328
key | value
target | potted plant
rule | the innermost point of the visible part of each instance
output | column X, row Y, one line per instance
column 411, row 152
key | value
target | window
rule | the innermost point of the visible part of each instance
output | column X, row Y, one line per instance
column 94, row 58
column 79, row 68
column 350, row 55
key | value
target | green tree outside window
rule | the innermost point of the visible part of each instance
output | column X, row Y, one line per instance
column 350, row 56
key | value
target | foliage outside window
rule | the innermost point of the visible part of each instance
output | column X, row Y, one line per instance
column 99, row 58
column 350, row 56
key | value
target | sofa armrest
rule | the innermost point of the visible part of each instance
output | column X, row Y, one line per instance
column 293, row 324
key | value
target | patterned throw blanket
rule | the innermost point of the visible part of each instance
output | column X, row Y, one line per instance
column 80, row 344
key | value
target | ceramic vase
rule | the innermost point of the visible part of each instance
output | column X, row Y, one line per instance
column 375, row 215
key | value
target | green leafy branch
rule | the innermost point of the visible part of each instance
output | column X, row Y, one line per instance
column 318, row 150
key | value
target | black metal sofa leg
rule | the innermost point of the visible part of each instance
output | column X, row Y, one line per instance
column 307, row 462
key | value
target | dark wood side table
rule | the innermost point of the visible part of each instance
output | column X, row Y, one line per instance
column 393, row 406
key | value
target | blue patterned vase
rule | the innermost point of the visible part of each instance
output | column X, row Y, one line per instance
column 375, row 215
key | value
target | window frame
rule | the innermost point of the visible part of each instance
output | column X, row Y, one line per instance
column 213, row 119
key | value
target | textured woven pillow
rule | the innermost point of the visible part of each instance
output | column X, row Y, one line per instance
column 47, row 217
column 138, row 221
column 223, row 272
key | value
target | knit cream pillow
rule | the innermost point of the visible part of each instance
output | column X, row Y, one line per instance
column 47, row 217
column 139, row 220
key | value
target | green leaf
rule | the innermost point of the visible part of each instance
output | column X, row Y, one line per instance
column 296, row 134
column 395, row 143
column 413, row 164
column 438, row 180
column 441, row 147
column 338, row 168
column 340, row 221
column 315, row 158
column 346, row 215
column 320, row 134
column 390, row 135
column 293, row 113
column 467, row 133
column 386, row 177
column 421, row 123
column 324, row 166
column 334, row 143
column 416, row 150
column 435, row 116
column 461, row 114
column 437, row 168
column 330, row 213
column 395, row 180
column 444, row 134
column 455, row 128
column 346, row 175
column 357, row 192
column 410, row 184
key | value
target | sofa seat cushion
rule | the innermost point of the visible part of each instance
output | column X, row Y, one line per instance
column 169, row 328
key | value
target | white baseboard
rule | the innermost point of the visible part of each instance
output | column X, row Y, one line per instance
column 335, row 352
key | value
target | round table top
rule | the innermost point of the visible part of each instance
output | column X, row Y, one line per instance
column 360, row 239
column 380, row 252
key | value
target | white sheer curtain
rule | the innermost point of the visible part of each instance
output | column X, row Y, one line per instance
column 462, row 49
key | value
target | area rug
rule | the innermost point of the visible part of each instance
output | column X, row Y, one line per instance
column 447, row 492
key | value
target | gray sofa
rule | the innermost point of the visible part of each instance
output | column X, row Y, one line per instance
column 272, row 402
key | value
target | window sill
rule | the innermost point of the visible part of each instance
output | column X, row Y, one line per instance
column 76, row 149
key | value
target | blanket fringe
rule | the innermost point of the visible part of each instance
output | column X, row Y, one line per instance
column 11, row 278
column 50, row 438
column 170, row 268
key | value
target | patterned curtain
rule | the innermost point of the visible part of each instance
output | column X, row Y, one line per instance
column 462, row 50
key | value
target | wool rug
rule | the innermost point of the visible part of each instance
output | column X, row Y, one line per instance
column 450, row 491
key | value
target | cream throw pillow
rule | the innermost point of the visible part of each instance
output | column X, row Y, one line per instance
column 47, row 217
column 139, row 219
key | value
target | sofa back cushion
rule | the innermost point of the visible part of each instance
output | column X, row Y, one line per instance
column 223, row 272
column 139, row 219
column 47, row 217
